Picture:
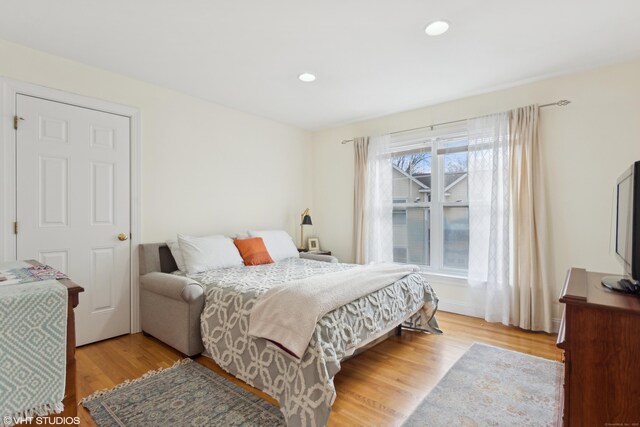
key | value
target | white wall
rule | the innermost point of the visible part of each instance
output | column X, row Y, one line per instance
column 586, row 146
column 206, row 168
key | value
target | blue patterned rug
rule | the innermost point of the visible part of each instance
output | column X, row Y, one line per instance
column 490, row 386
column 187, row 394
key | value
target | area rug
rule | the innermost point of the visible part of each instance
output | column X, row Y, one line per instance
column 187, row 394
column 490, row 386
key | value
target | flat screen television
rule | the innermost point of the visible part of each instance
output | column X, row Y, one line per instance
column 627, row 232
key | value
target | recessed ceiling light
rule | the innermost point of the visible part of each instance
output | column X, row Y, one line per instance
column 437, row 28
column 306, row 77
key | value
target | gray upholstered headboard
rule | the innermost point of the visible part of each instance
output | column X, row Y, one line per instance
column 156, row 257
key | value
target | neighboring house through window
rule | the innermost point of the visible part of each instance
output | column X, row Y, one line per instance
column 430, row 201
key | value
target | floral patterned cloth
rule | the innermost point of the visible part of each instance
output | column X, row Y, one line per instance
column 303, row 387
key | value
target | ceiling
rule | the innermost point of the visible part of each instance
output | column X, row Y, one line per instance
column 371, row 57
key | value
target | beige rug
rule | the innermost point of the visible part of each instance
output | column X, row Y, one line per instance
column 490, row 386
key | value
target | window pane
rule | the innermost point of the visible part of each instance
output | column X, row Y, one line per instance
column 400, row 255
column 399, row 217
column 412, row 178
column 411, row 237
column 455, row 177
column 456, row 237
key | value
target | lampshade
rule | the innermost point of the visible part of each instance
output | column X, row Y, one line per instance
column 305, row 219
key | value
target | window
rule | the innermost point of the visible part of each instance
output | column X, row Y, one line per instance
column 431, row 203
column 399, row 217
column 400, row 255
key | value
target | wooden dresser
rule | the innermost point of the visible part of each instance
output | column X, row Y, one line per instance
column 600, row 336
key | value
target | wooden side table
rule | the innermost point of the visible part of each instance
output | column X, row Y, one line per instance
column 315, row 252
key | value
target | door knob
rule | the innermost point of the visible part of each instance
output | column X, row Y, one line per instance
column 122, row 237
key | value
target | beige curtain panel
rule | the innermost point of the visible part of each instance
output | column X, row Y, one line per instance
column 531, row 303
column 361, row 148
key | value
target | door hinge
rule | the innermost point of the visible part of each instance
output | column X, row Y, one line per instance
column 16, row 120
column 15, row 227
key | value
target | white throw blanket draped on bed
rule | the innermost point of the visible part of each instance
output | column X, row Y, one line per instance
column 287, row 314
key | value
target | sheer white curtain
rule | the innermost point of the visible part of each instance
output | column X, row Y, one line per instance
column 378, row 202
column 489, row 213
column 507, row 219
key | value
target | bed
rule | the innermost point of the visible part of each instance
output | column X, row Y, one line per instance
column 303, row 387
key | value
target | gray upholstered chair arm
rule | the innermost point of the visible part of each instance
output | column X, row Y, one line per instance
column 172, row 286
column 318, row 257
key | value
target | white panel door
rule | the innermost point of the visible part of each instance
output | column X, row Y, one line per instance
column 73, row 202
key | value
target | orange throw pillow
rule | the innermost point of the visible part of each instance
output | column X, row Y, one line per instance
column 253, row 251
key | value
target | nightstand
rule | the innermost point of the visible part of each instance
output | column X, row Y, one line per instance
column 316, row 252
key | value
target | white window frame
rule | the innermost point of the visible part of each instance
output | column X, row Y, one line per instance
column 437, row 204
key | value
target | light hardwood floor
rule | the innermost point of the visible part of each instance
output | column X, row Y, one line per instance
column 379, row 387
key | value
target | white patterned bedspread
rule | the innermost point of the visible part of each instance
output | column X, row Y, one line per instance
column 303, row 387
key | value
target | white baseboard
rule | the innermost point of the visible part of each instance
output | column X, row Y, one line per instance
column 458, row 307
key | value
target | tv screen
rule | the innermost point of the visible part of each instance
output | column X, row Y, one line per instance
column 628, row 220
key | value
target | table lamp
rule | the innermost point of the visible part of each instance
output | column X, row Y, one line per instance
column 305, row 219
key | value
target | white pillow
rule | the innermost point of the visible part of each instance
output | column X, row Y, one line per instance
column 174, row 247
column 278, row 243
column 205, row 253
